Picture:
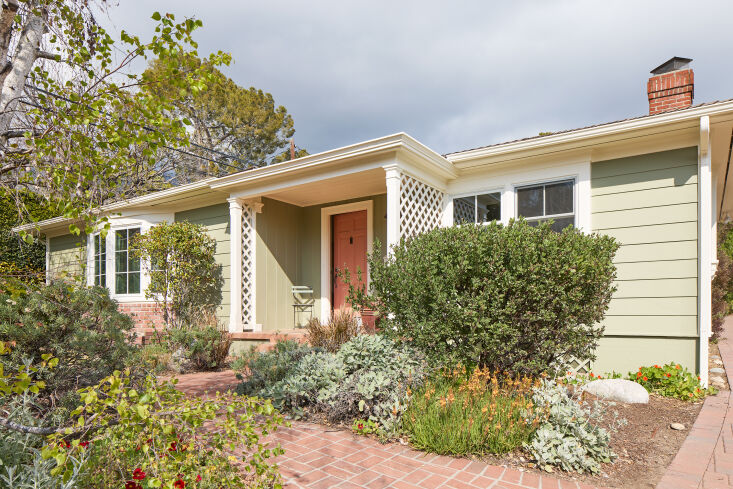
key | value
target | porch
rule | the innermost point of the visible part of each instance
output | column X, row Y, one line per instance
column 290, row 226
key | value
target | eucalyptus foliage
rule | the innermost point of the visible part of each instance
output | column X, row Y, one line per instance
column 512, row 298
column 75, row 125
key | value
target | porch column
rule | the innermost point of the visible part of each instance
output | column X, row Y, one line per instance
column 393, row 178
column 248, row 264
column 235, row 258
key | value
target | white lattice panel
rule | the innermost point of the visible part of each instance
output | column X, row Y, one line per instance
column 464, row 211
column 577, row 366
column 421, row 206
column 248, row 266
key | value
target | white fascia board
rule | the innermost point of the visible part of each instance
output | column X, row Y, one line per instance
column 578, row 136
column 400, row 142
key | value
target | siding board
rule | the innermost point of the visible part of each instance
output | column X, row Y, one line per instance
column 648, row 203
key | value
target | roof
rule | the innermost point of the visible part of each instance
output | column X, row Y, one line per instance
column 565, row 131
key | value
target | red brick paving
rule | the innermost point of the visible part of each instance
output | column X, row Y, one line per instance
column 705, row 460
column 317, row 456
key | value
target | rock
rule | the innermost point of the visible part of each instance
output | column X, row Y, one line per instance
column 618, row 390
column 717, row 380
column 717, row 371
column 715, row 357
column 677, row 426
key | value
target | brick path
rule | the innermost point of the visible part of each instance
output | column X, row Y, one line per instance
column 316, row 457
column 705, row 459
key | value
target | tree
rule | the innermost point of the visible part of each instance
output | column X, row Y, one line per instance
column 185, row 280
column 76, row 124
column 234, row 128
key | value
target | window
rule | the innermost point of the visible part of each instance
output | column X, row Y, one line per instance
column 100, row 261
column 537, row 203
column 477, row 208
column 127, row 268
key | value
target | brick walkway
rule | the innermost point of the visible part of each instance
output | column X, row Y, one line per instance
column 316, row 457
column 705, row 459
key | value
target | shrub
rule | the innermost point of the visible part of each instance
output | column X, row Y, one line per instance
column 329, row 336
column 154, row 357
column 203, row 349
column 258, row 370
column 369, row 377
column 722, row 284
column 571, row 437
column 512, row 298
column 671, row 380
column 81, row 326
column 156, row 437
column 478, row 414
column 185, row 280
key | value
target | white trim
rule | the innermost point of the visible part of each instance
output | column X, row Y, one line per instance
column 48, row 260
column 256, row 207
column 326, row 213
column 235, row 266
column 510, row 180
column 393, row 181
column 705, row 236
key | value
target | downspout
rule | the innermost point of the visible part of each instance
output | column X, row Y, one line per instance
column 704, row 246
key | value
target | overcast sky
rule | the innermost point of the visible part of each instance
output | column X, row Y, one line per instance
column 454, row 75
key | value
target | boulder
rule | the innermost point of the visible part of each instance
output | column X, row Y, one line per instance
column 717, row 371
column 618, row 390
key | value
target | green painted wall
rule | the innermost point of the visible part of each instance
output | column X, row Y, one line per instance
column 278, row 258
column 649, row 204
column 289, row 253
column 67, row 256
column 215, row 220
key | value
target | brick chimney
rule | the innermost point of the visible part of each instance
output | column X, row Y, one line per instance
column 671, row 87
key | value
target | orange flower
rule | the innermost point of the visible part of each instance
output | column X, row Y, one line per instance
column 638, row 374
column 668, row 375
column 678, row 367
column 657, row 366
column 644, row 378
column 689, row 394
column 591, row 375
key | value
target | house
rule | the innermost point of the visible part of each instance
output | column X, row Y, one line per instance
column 657, row 183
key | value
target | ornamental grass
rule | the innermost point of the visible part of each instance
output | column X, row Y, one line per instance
column 476, row 412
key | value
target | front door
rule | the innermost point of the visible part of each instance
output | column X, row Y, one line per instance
column 349, row 251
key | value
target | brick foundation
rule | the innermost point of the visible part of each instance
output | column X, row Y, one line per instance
column 148, row 318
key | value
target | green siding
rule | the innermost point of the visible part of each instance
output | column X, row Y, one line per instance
column 67, row 257
column 215, row 219
column 649, row 204
column 289, row 253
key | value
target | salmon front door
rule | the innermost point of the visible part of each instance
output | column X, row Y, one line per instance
column 349, row 251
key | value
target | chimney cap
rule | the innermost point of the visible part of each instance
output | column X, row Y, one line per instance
column 672, row 64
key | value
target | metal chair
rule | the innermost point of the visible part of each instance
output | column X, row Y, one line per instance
column 301, row 302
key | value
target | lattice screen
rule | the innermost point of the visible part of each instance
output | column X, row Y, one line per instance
column 421, row 206
column 577, row 366
column 248, row 266
column 464, row 211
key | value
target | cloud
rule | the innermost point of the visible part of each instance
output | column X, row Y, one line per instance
column 454, row 75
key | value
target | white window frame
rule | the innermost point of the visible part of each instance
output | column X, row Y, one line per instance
column 508, row 181
column 553, row 216
column 93, row 263
column 497, row 190
column 119, row 223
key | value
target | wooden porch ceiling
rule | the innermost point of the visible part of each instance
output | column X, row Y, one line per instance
column 345, row 187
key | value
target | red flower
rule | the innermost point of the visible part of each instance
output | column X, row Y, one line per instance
column 360, row 426
column 644, row 378
column 64, row 444
column 138, row 474
column 173, row 447
column 179, row 484
column 638, row 374
column 657, row 366
column 132, row 485
column 198, row 478
column 668, row 375
column 84, row 444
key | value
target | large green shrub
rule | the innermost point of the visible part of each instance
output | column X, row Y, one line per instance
column 258, row 370
column 185, row 279
column 512, row 298
column 80, row 326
